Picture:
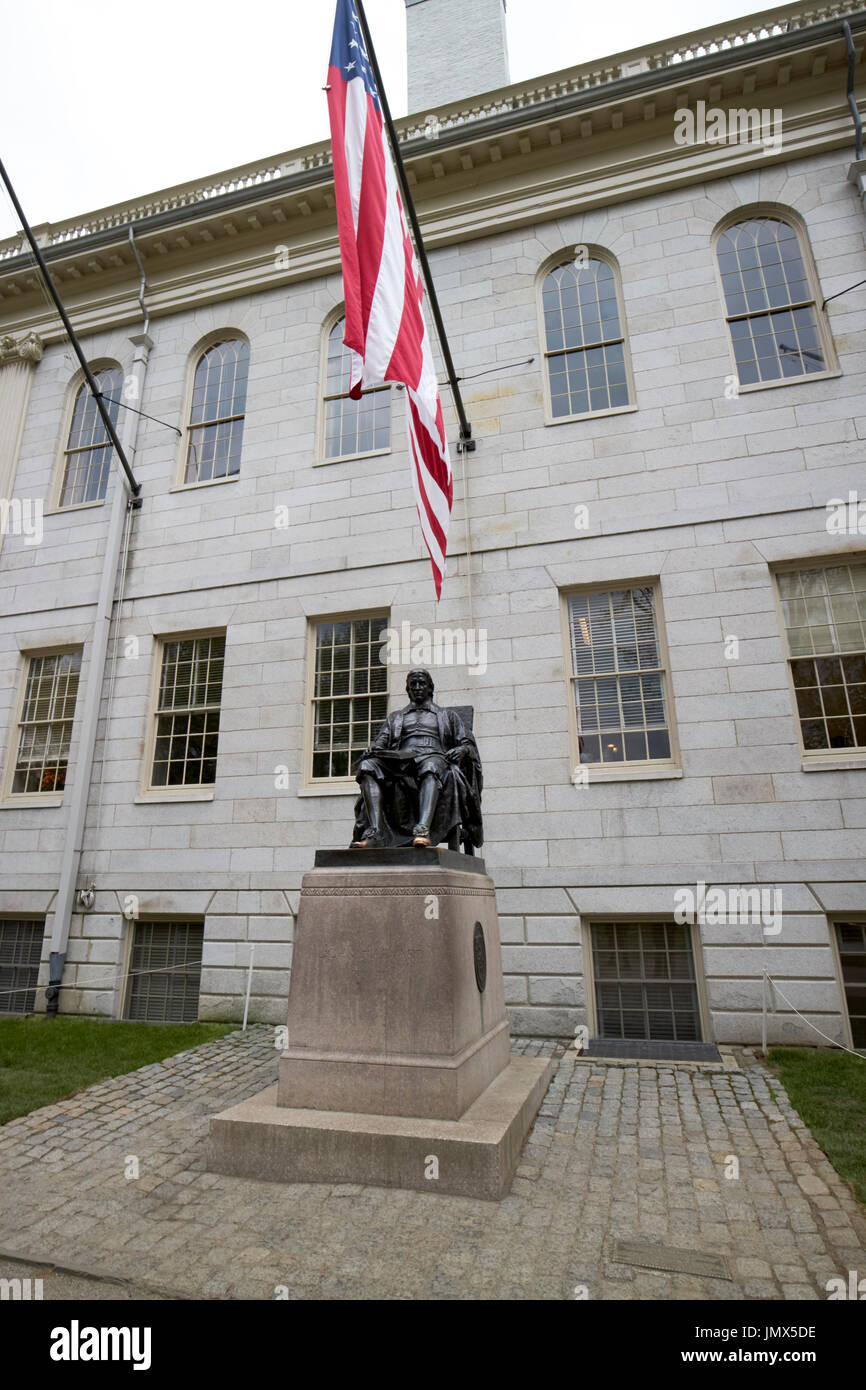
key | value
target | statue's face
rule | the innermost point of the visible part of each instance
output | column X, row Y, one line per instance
column 419, row 686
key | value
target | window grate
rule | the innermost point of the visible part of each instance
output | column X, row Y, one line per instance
column 851, row 938
column 645, row 985
column 165, row 972
column 20, row 954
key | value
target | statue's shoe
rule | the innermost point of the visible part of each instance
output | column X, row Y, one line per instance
column 422, row 835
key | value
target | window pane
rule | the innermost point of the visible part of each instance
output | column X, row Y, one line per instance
column 618, row 681
column 45, row 729
column 188, row 711
column 822, row 616
column 216, row 422
column 763, row 274
column 352, row 427
column 347, row 666
column 88, row 452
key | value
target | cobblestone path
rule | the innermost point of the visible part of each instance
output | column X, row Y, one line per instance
column 617, row 1151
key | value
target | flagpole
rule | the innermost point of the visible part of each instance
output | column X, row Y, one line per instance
column 467, row 443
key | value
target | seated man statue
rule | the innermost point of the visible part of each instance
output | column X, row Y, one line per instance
column 421, row 777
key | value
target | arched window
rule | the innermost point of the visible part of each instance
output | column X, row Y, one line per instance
column 352, row 427
column 585, row 347
column 216, row 422
column 87, row 457
column 770, row 302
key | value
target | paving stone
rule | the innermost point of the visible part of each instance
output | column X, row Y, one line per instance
column 617, row 1151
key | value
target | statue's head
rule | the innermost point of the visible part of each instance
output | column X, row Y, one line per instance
column 419, row 684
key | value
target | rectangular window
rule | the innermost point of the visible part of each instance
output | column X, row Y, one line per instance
column 618, row 677
column 851, row 939
column 645, row 985
column 188, row 712
column 350, row 692
column 20, row 953
column 45, row 726
column 824, row 611
column 165, row 972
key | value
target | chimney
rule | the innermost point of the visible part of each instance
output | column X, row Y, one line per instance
column 457, row 49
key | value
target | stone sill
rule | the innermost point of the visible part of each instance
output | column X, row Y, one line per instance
column 754, row 386
column 26, row 803
column 591, row 415
column 836, row 765
column 208, row 482
column 73, row 507
column 148, row 798
column 349, row 458
column 349, row 789
column 633, row 774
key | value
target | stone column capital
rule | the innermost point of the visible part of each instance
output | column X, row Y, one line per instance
column 28, row 348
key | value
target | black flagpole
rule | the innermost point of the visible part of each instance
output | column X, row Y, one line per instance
column 97, row 394
column 467, row 443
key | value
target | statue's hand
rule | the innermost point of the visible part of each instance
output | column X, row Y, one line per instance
column 454, row 755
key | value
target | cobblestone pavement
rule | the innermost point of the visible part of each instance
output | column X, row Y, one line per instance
column 617, row 1151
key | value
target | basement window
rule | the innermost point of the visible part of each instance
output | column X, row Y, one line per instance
column 645, row 983
column 165, row 972
column 20, row 953
column 851, row 939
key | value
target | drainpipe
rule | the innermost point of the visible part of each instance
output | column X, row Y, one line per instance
column 78, row 793
column 857, row 171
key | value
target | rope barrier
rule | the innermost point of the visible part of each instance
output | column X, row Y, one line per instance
column 840, row 1046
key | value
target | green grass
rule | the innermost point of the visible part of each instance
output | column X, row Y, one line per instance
column 44, row 1060
column 828, row 1089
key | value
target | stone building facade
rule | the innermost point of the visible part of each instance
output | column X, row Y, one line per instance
column 648, row 543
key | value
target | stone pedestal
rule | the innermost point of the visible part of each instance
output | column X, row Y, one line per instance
column 398, row 1069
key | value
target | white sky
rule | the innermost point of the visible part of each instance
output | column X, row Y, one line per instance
column 103, row 101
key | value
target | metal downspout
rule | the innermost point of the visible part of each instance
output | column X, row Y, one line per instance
column 857, row 171
column 79, row 791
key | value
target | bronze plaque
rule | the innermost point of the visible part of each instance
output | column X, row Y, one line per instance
column 479, row 952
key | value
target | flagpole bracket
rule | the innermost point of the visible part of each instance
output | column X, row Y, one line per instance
column 466, row 444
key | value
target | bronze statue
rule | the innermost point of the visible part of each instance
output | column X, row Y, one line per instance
column 421, row 778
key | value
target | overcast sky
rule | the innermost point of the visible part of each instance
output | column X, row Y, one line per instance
column 102, row 102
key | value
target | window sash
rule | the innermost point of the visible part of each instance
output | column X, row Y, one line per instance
column 45, row 725
column 186, row 729
column 85, row 473
column 364, row 706
column 620, row 696
column 825, row 607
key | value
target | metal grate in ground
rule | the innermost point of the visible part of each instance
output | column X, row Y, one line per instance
column 650, row 1050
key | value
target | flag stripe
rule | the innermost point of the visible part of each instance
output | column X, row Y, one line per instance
column 385, row 329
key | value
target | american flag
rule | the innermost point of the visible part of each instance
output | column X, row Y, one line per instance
column 385, row 328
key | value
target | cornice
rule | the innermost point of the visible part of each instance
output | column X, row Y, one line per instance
column 606, row 145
